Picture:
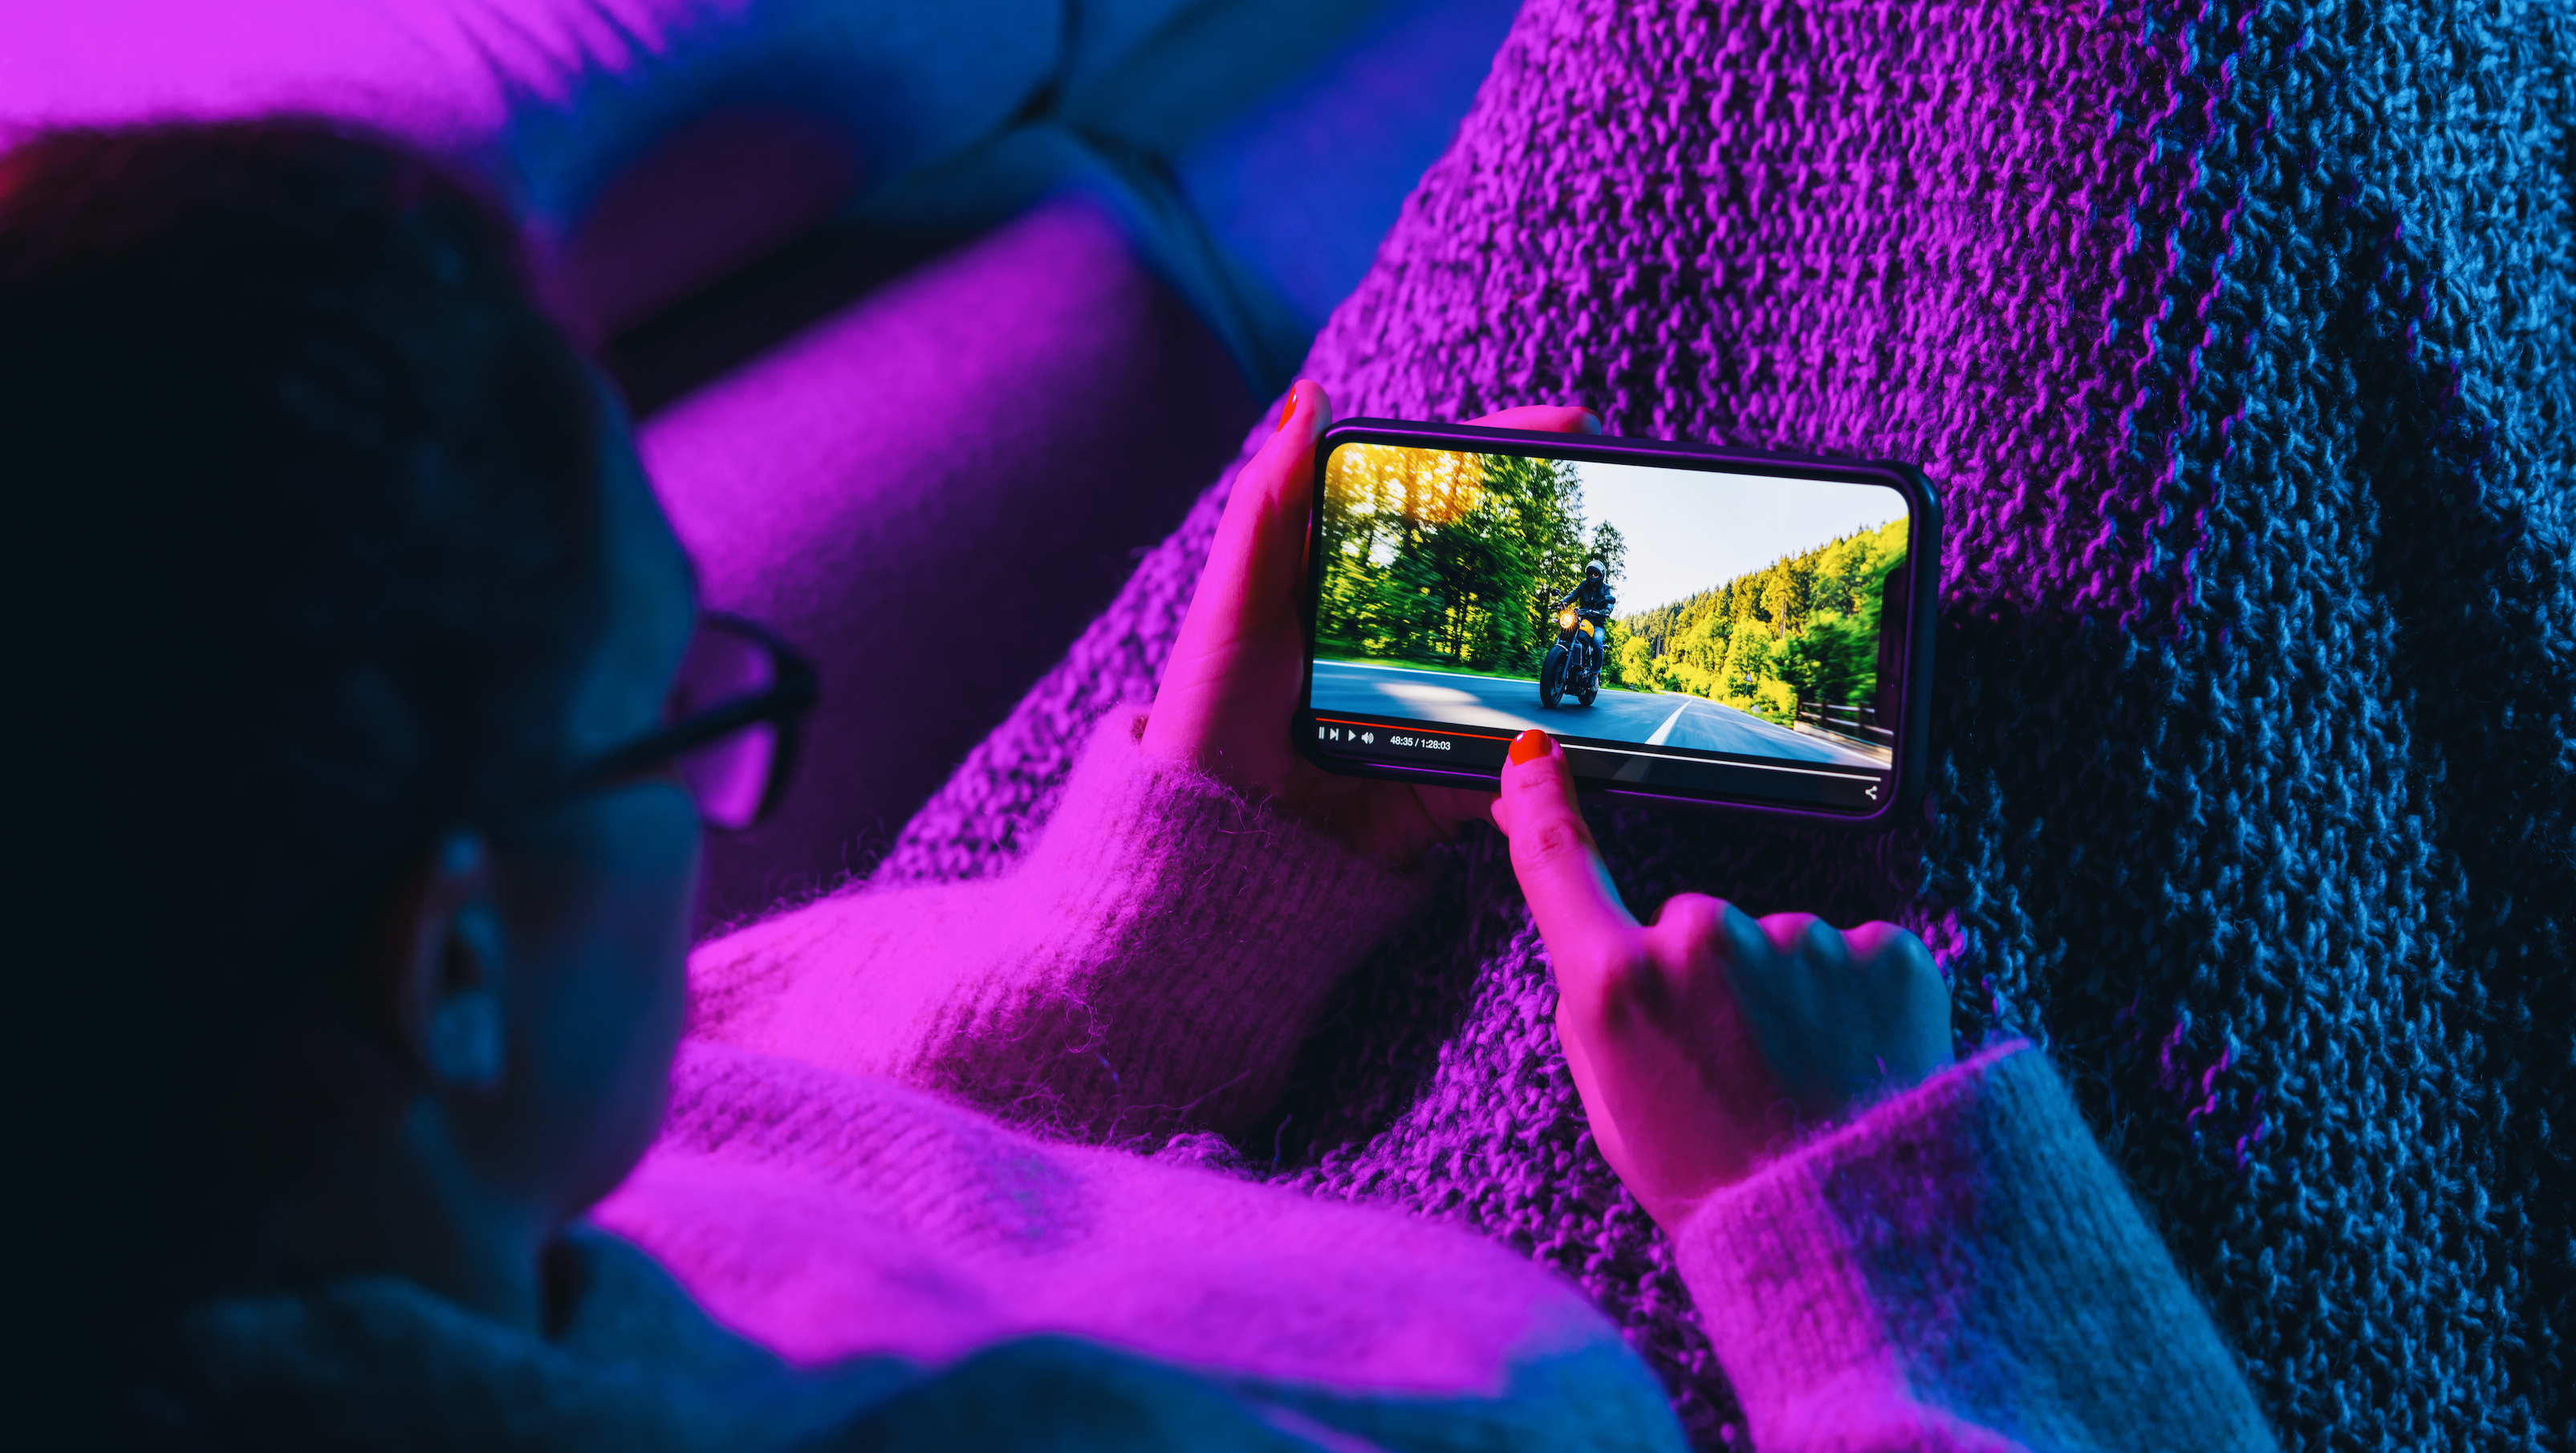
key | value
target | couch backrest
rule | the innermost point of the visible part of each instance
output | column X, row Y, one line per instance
column 651, row 145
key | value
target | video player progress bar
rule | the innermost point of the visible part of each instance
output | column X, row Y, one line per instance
column 1843, row 776
column 1415, row 730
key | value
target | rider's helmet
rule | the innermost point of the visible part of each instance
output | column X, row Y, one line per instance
column 1592, row 570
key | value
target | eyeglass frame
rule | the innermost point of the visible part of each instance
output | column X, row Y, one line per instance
column 782, row 707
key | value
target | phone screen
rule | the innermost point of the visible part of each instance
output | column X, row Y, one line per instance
column 1682, row 630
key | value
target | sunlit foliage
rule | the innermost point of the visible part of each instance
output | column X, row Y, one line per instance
column 1452, row 560
column 1804, row 628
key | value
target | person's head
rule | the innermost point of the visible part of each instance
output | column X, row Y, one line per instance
column 1592, row 570
column 332, row 565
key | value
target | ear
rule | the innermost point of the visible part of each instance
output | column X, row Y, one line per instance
column 447, row 987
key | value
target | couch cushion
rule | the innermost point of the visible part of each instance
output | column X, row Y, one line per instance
column 932, row 491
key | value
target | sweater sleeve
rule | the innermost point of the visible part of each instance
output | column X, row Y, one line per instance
column 1959, row 1268
column 1151, row 967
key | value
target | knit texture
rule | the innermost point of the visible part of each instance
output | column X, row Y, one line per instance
column 1957, row 1266
column 1151, row 969
column 380, row 1362
column 2238, row 335
column 832, row 1216
column 635, row 1367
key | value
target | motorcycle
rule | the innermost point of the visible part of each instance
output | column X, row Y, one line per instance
column 1573, row 664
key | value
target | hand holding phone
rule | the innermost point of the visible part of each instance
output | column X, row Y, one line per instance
column 1236, row 671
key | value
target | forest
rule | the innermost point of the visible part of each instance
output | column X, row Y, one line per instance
column 1801, row 629
column 1453, row 560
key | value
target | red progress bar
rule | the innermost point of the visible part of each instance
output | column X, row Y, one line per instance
column 1439, row 731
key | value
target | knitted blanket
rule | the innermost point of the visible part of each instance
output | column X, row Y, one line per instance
column 2238, row 334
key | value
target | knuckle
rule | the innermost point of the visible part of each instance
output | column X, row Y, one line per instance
column 1893, row 949
column 1809, row 944
column 1691, row 912
column 1738, row 939
column 1691, row 923
column 1551, row 841
column 1535, row 790
column 1786, row 932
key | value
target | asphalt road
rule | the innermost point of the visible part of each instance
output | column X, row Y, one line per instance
column 1647, row 718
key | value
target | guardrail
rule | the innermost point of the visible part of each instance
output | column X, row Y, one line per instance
column 1857, row 720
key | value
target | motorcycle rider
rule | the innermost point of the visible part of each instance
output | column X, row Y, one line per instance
column 1592, row 600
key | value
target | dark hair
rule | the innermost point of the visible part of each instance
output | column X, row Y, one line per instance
column 304, row 549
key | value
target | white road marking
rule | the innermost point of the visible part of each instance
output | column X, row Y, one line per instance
column 1664, row 733
column 1418, row 693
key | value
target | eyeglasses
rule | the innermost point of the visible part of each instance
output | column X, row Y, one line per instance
column 734, row 721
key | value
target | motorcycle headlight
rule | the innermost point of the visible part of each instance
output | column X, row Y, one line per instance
column 1565, row 620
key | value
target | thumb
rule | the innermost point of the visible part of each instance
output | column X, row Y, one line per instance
column 1252, row 567
column 1559, row 866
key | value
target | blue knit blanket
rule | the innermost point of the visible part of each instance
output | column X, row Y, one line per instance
column 2239, row 335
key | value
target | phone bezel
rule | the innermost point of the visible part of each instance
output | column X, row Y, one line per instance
column 1914, row 646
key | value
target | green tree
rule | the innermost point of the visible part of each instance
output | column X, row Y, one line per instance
column 1751, row 659
column 1444, row 557
column 1834, row 659
column 1804, row 628
column 1634, row 666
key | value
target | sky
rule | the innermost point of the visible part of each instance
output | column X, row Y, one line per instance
column 1689, row 530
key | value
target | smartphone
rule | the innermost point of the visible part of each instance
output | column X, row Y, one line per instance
column 1705, row 626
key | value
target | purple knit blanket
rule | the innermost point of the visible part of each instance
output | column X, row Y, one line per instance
column 2238, row 335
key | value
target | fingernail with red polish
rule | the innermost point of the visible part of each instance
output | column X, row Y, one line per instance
column 1529, row 746
column 1288, row 408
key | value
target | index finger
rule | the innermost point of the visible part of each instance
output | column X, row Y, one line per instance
column 1559, row 866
